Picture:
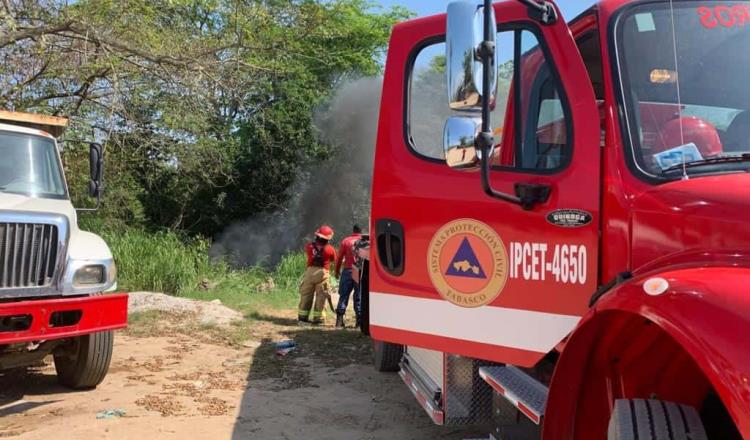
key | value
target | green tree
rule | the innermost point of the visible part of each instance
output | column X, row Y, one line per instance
column 206, row 106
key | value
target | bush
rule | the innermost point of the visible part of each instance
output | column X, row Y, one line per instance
column 159, row 262
column 288, row 273
column 166, row 262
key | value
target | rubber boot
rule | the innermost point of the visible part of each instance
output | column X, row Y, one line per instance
column 340, row 321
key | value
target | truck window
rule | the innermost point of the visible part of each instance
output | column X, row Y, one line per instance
column 542, row 142
column 30, row 166
column 684, row 87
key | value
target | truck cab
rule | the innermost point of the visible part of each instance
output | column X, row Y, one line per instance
column 52, row 274
column 576, row 270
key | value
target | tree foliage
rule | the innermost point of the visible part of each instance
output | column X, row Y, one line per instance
column 206, row 106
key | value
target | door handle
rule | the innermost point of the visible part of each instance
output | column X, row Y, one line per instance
column 390, row 242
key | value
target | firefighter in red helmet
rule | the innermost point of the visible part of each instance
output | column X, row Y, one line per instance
column 314, row 288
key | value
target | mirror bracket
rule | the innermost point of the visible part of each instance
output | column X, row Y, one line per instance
column 532, row 193
column 543, row 12
column 485, row 142
column 486, row 49
column 528, row 195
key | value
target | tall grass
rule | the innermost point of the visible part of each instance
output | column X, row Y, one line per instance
column 159, row 262
column 166, row 262
column 288, row 273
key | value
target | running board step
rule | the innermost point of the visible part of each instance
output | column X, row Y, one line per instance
column 427, row 398
column 523, row 391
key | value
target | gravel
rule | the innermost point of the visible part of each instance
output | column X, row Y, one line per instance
column 213, row 312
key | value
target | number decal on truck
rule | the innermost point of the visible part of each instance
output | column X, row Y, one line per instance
column 563, row 263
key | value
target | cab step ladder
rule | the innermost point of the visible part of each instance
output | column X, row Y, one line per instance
column 521, row 390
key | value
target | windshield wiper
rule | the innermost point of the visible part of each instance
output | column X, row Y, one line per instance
column 710, row 161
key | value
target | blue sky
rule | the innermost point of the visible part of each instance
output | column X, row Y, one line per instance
column 570, row 8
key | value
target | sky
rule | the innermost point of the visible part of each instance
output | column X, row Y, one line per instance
column 570, row 8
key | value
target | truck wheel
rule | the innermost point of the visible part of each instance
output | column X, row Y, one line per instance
column 387, row 356
column 640, row 419
column 88, row 363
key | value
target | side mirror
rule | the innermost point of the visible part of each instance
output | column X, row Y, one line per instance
column 96, row 165
column 464, row 41
column 459, row 142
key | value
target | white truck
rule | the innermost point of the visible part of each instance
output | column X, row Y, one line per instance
column 52, row 275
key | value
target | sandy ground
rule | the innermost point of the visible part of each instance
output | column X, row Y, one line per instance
column 188, row 384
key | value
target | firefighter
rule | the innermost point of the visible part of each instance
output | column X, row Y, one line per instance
column 346, row 282
column 314, row 288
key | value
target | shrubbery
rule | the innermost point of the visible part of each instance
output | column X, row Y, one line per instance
column 179, row 265
column 159, row 262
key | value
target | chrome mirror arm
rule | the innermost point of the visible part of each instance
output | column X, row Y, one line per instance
column 484, row 139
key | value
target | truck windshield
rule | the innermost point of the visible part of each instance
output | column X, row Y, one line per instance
column 29, row 165
column 683, row 69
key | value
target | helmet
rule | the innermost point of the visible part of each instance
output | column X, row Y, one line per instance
column 325, row 232
column 694, row 130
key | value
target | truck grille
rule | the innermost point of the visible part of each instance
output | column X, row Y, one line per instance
column 28, row 254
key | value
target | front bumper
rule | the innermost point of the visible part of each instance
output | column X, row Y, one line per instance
column 48, row 319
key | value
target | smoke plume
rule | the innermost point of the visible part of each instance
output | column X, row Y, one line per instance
column 335, row 192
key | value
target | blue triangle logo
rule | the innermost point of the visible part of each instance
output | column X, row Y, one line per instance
column 465, row 263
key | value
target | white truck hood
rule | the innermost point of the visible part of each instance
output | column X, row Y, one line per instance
column 17, row 202
column 82, row 247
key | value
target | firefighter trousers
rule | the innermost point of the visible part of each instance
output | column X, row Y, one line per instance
column 313, row 294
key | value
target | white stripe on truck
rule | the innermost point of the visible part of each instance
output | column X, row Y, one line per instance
column 523, row 329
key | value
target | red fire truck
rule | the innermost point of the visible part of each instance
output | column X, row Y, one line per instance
column 561, row 248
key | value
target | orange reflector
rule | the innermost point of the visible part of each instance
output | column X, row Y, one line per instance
column 663, row 76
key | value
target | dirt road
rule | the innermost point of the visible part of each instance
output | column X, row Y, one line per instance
column 191, row 384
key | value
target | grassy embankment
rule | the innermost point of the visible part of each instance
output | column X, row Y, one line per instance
column 164, row 262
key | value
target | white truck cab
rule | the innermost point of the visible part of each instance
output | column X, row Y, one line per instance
column 52, row 273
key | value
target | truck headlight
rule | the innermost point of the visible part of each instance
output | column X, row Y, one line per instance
column 87, row 275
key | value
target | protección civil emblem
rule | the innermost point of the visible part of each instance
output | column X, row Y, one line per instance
column 468, row 263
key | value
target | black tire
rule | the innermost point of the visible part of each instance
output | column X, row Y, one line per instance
column 387, row 356
column 640, row 419
column 88, row 364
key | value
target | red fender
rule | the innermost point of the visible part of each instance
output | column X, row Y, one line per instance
column 705, row 310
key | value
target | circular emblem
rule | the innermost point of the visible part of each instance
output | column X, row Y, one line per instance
column 468, row 263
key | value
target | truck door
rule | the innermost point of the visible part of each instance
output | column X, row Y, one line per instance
column 454, row 269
